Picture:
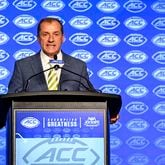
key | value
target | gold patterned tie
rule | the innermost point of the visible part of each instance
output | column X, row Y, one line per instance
column 52, row 79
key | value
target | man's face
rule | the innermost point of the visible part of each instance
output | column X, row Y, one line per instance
column 50, row 38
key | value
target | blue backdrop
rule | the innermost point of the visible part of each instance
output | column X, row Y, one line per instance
column 122, row 43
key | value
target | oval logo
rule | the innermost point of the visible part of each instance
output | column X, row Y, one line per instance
column 108, row 56
column 115, row 142
column 159, row 91
column 109, row 73
column 158, row 6
column 159, row 57
column 3, row 89
column 4, row 4
column 3, row 55
column 4, row 73
column 136, row 57
column 160, row 125
column 159, row 23
column 22, row 53
column 108, row 39
column 159, row 74
column 158, row 40
column 160, row 159
column 160, row 142
column 30, row 122
column 115, row 127
column 3, row 21
column 108, row 88
column 4, row 38
column 160, row 108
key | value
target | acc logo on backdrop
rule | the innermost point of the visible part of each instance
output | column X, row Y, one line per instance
column 135, row 23
column 136, row 73
column 138, row 158
column 115, row 142
column 160, row 125
column 160, row 159
column 82, row 54
column 115, row 127
column 136, row 91
column 53, row 5
column 159, row 91
column 108, row 56
column 159, row 57
column 3, row 38
column 108, row 23
column 135, row 6
column 25, row 38
column 108, row 88
column 159, row 74
column 3, row 89
column 108, row 6
column 159, row 23
column 158, row 40
column 3, row 21
column 81, row 22
column 160, row 142
column 136, row 107
column 80, row 39
column 3, row 55
column 24, row 5
column 108, row 39
column 115, row 159
column 137, row 125
column 109, row 73
column 3, row 73
column 137, row 142
column 80, row 5
column 158, row 6
column 135, row 39
column 22, row 53
column 4, row 4
column 30, row 122
column 25, row 21
column 136, row 57
column 160, row 108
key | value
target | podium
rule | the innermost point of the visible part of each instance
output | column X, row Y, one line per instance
column 58, row 127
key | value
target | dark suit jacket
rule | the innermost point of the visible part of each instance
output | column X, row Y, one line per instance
column 25, row 68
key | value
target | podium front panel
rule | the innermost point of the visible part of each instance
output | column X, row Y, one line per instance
column 59, row 133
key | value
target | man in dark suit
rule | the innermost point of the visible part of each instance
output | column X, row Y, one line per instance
column 50, row 36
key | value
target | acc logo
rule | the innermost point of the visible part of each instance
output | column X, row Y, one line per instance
column 3, row 89
column 108, row 56
column 108, row 6
column 160, row 159
column 138, row 158
column 135, row 23
column 159, row 23
column 137, row 142
column 108, row 23
column 80, row 5
column 3, row 38
column 108, row 39
column 135, row 6
column 24, row 38
column 25, row 21
column 115, row 127
column 3, row 21
column 135, row 39
column 159, row 57
column 136, row 107
column 115, row 159
column 160, row 108
column 3, row 4
column 3, row 55
column 136, row 57
column 137, row 125
column 159, row 91
column 158, row 40
column 53, row 5
column 3, row 73
column 158, row 6
column 82, row 54
column 81, row 22
column 109, row 73
column 110, row 89
column 160, row 142
column 160, row 125
column 24, row 5
column 136, row 91
column 61, row 151
column 136, row 73
column 115, row 142
column 80, row 39
column 159, row 74
column 30, row 122
column 22, row 53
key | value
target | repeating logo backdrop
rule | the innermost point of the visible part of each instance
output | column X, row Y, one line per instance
column 122, row 43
